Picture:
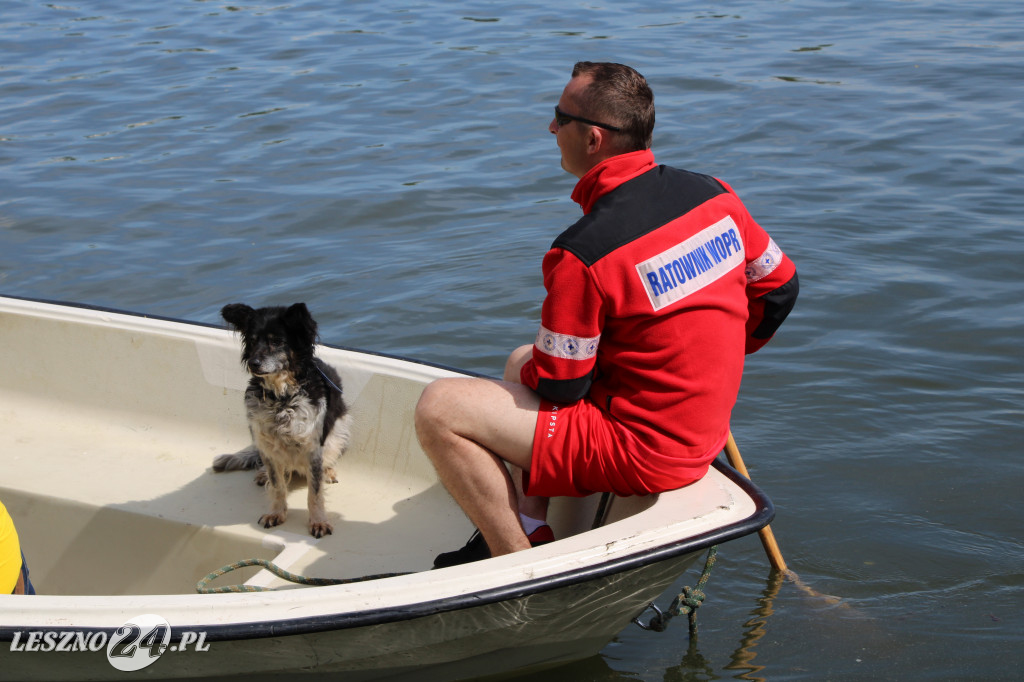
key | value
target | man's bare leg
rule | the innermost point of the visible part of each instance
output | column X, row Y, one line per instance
column 469, row 428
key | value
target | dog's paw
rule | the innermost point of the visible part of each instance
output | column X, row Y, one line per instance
column 271, row 520
column 318, row 529
column 261, row 476
column 330, row 476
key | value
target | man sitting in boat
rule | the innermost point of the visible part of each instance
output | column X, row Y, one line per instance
column 13, row 569
column 653, row 299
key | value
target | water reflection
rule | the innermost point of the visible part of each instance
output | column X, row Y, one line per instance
column 756, row 628
column 695, row 666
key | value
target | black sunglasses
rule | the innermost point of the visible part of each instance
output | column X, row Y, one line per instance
column 562, row 118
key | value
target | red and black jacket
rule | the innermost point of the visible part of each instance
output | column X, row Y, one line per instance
column 653, row 299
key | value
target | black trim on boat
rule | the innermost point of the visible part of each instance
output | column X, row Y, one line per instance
column 300, row 626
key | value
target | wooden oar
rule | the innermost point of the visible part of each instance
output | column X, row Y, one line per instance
column 771, row 547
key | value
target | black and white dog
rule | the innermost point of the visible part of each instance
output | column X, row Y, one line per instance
column 298, row 419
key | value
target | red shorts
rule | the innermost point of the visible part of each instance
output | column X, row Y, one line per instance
column 579, row 449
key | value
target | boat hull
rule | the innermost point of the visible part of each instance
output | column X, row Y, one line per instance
column 541, row 629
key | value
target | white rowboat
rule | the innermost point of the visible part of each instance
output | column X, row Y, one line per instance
column 109, row 422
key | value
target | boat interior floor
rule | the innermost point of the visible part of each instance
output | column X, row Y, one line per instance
column 145, row 513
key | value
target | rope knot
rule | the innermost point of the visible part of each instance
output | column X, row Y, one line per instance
column 686, row 602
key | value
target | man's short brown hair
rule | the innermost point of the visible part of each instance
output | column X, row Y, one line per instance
column 620, row 96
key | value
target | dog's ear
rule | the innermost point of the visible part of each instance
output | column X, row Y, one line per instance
column 237, row 315
column 302, row 322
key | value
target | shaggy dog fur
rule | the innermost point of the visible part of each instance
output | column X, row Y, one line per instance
column 298, row 419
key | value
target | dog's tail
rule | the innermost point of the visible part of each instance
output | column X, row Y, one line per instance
column 243, row 459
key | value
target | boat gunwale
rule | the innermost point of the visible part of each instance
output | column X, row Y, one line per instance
column 762, row 515
column 221, row 328
column 765, row 512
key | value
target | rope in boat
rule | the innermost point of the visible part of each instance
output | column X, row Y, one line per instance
column 201, row 586
column 686, row 602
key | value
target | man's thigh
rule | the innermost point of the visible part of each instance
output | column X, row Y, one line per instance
column 500, row 416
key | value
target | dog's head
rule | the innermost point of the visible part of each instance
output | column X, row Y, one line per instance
column 274, row 339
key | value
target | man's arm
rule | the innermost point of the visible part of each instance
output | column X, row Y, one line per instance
column 565, row 353
column 772, row 289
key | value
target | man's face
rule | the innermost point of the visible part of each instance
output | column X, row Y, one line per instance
column 574, row 137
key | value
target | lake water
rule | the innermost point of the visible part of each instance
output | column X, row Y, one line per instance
column 388, row 163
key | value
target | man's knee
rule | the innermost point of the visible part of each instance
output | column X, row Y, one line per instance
column 430, row 409
column 519, row 357
column 442, row 410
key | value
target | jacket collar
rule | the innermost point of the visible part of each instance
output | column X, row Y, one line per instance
column 609, row 174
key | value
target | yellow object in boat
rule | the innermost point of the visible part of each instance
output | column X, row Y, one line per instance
column 10, row 553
